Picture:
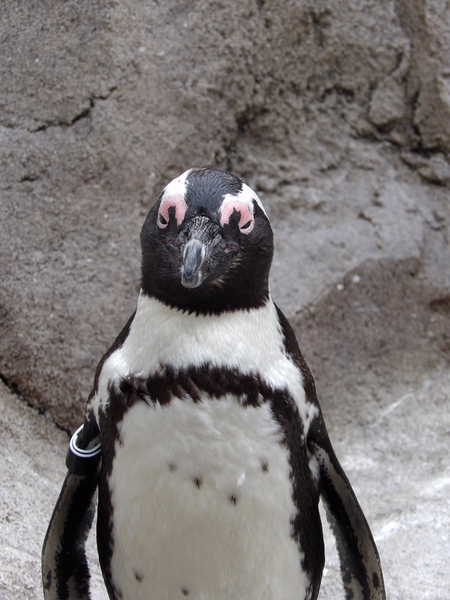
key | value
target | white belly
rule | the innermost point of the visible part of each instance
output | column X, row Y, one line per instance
column 202, row 505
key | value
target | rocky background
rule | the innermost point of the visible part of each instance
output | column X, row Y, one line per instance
column 338, row 114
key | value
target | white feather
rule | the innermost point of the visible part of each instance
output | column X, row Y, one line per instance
column 176, row 535
column 177, row 187
column 170, row 533
column 246, row 195
column 250, row 341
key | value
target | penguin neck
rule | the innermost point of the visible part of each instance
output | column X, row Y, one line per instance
column 249, row 342
column 162, row 335
column 212, row 300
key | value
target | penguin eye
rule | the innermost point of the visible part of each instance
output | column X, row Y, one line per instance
column 247, row 227
column 233, row 208
column 162, row 222
column 172, row 206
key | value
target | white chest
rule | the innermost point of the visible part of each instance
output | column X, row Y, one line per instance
column 248, row 341
column 202, row 505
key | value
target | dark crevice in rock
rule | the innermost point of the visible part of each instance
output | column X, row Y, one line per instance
column 84, row 112
column 14, row 389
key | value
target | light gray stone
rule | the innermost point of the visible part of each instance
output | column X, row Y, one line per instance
column 387, row 106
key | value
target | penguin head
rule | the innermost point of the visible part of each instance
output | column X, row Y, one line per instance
column 207, row 245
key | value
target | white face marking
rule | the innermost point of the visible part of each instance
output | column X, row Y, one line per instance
column 202, row 501
column 175, row 202
column 173, row 197
column 242, row 203
column 231, row 204
column 248, row 195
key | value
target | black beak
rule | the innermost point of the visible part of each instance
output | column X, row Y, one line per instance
column 194, row 254
column 203, row 251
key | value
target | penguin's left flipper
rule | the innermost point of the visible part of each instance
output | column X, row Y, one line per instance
column 65, row 572
column 358, row 554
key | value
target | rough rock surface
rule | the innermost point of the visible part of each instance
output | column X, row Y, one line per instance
column 338, row 114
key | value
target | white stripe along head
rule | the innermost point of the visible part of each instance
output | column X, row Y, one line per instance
column 173, row 198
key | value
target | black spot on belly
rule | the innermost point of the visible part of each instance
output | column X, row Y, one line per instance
column 185, row 591
column 172, row 467
column 197, row 482
column 292, row 524
column 265, row 466
column 233, row 499
column 138, row 576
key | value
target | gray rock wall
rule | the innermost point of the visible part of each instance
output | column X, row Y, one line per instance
column 336, row 112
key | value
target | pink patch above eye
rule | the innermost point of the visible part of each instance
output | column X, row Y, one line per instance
column 176, row 202
column 246, row 221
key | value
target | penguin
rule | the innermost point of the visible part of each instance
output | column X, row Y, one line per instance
column 203, row 432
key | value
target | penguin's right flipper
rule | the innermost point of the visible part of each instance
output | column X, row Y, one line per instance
column 360, row 563
column 65, row 572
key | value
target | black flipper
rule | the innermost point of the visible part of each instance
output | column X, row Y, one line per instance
column 65, row 572
column 358, row 554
